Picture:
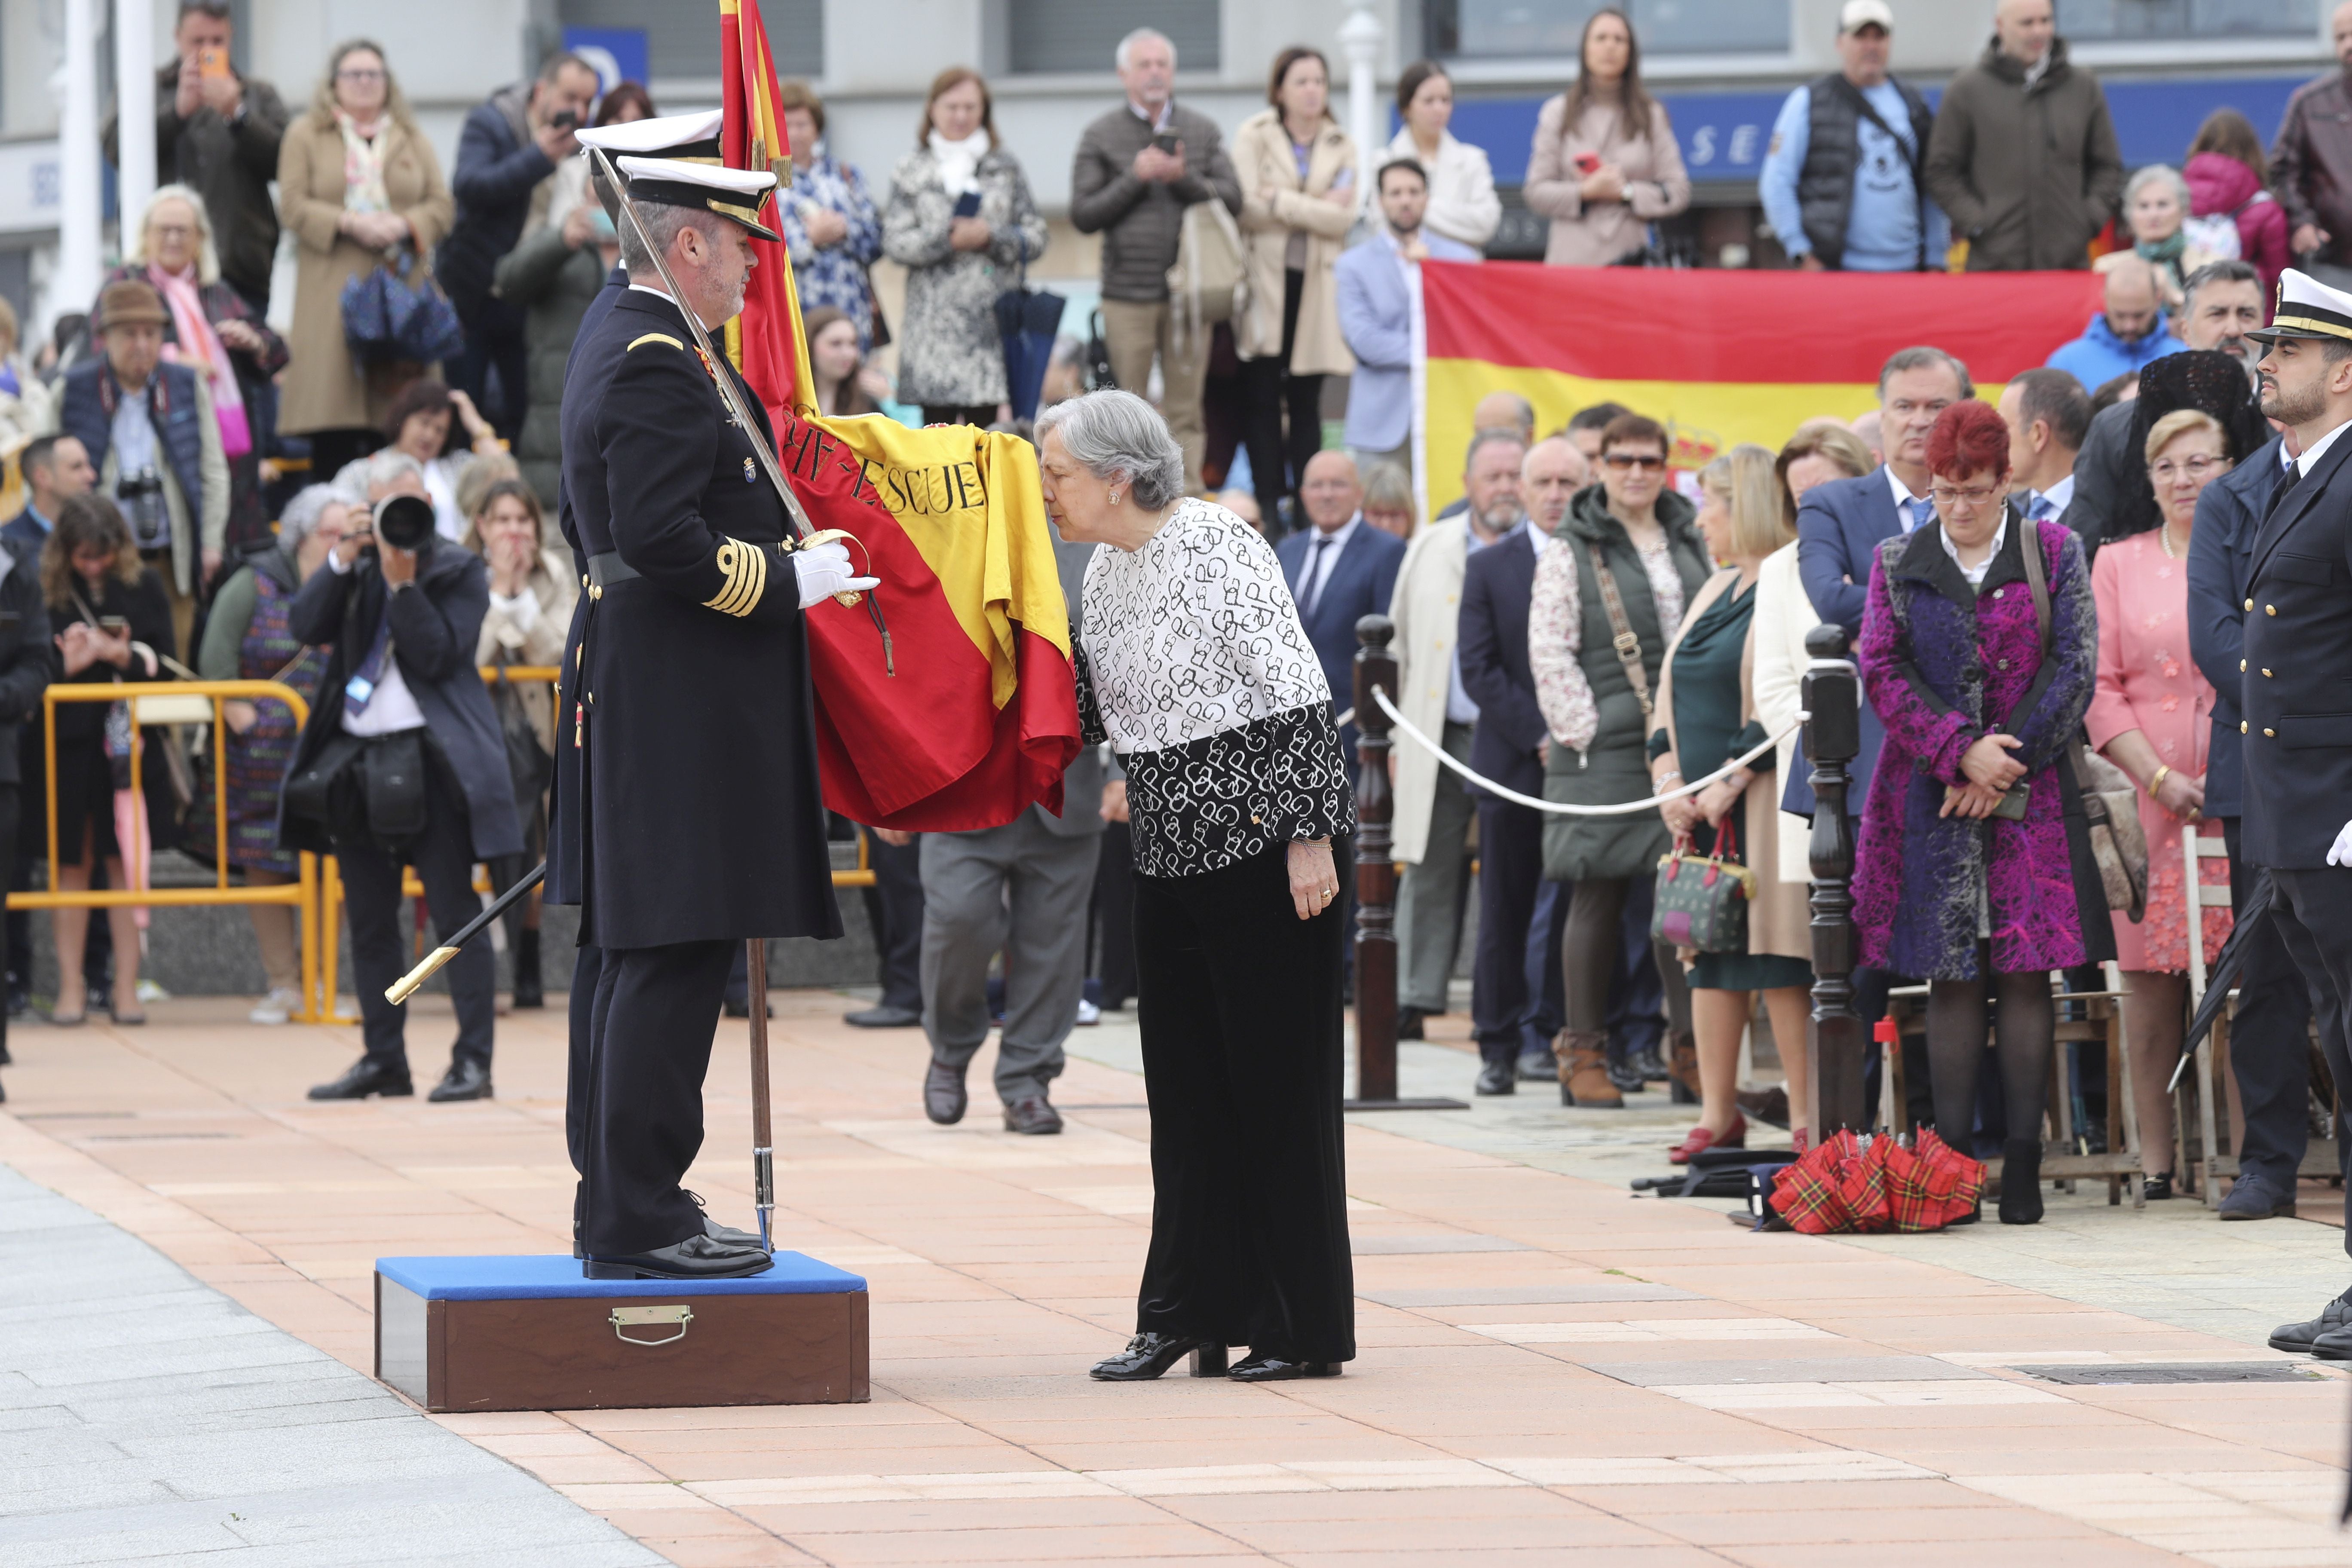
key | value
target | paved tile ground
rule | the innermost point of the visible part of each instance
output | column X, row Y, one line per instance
column 1551, row 1369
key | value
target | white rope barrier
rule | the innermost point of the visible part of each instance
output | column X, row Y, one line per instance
column 1559, row 808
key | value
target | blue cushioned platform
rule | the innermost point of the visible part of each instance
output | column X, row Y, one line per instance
column 511, row 1279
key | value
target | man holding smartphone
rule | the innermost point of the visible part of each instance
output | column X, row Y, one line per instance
column 1139, row 170
column 506, row 155
column 217, row 132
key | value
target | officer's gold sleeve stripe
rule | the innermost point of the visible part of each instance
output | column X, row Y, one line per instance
column 745, row 568
column 655, row 338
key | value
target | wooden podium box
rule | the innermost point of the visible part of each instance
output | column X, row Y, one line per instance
column 532, row 1333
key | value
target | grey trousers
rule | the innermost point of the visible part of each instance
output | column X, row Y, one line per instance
column 1023, row 890
column 1430, row 902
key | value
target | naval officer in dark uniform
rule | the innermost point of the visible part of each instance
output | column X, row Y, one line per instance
column 699, row 821
column 694, row 136
column 2298, row 705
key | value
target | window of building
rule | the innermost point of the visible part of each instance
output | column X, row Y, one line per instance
column 1501, row 30
column 2123, row 21
column 1042, row 35
column 682, row 40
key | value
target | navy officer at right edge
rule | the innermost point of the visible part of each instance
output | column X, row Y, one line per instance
column 2297, row 727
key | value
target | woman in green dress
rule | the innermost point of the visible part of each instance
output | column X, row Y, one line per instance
column 1707, row 716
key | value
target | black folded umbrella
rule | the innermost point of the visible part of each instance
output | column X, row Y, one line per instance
column 2224, row 974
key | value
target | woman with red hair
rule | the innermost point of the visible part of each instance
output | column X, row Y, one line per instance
column 1975, row 856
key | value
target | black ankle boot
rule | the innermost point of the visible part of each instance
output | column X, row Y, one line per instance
column 529, row 990
column 2020, row 1181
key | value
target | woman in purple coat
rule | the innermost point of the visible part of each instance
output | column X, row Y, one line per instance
column 1975, row 855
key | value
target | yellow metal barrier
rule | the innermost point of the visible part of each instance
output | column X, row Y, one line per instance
column 301, row 894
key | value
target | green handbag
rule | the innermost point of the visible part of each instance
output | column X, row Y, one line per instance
column 1703, row 900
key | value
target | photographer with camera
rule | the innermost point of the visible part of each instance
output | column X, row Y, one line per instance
column 403, row 763
column 149, row 427
column 505, row 175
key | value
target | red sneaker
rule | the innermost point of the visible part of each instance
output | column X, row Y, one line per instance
column 1699, row 1138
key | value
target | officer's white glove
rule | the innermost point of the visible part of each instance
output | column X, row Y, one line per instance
column 824, row 571
column 2341, row 855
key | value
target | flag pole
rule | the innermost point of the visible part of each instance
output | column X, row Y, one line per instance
column 737, row 408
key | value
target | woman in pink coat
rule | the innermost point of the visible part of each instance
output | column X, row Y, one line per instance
column 2226, row 180
column 2151, row 714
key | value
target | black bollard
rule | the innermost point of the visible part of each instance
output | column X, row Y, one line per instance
column 1832, row 696
column 1376, row 950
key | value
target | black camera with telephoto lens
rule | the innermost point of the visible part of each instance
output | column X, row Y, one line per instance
column 404, row 522
column 140, row 495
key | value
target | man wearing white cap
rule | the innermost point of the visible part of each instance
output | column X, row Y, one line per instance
column 1842, row 180
column 699, row 821
column 2298, row 691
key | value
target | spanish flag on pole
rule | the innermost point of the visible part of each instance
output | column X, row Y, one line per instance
column 1719, row 357
column 980, row 715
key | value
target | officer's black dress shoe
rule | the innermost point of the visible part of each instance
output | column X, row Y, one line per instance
column 367, row 1077
column 1498, row 1078
column 464, row 1081
column 882, row 1015
column 1268, row 1367
column 726, row 1233
column 1650, row 1065
column 696, row 1257
column 2300, row 1337
column 1539, row 1066
column 943, row 1095
column 1032, row 1116
column 1409, row 1023
column 1626, row 1077
column 1147, row 1355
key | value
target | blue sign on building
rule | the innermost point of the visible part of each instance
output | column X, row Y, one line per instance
column 619, row 53
column 1725, row 135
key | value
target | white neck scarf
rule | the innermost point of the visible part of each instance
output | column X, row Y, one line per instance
column 958, row 161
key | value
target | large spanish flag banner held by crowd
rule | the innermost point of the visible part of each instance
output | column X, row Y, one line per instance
column 972, row 715
column 1720, row 357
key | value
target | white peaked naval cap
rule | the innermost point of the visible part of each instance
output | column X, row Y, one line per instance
column 694, row 136
column 733, row 193
column 2307, row 308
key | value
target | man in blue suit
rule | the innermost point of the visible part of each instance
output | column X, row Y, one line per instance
column 1340, row 570
column 2268, row 1049
column 1509, row 746
column 1376, row 314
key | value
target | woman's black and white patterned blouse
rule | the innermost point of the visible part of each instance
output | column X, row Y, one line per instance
column 1194, row 667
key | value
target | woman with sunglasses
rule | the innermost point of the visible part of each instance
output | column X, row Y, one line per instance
column 1598, row 703
column 1975, row 852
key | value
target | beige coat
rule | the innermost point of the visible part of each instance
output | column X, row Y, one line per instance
column 502, row 640
column 1656, row 185
column 1776, row 636
column 1427, row 610
column 324, row 391
column 1778, row 921
column 1262, row 158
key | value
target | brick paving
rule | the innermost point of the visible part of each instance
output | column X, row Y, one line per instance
column 1552, row 1370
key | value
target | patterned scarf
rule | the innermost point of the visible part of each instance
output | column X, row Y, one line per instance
column 363, row 167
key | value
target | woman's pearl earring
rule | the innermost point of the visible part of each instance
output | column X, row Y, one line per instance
column 1113, row 498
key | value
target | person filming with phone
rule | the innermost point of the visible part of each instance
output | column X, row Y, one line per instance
column 510, row 146
column 217, row 132
column 401, row 763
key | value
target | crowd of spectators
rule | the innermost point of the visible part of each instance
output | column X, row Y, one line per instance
column 1585, row 622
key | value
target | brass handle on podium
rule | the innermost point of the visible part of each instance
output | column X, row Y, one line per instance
column 637, row 1316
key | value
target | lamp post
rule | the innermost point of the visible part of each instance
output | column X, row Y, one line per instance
column 1361, row 36
column 134, row 74
column 75, row 282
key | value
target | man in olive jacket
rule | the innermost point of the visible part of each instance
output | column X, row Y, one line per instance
column 2023, row 159
column 1131, row 186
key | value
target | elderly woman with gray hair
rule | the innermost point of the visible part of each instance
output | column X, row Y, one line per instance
column 246, row 638
column 1194, row 667
column 2156, row 209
